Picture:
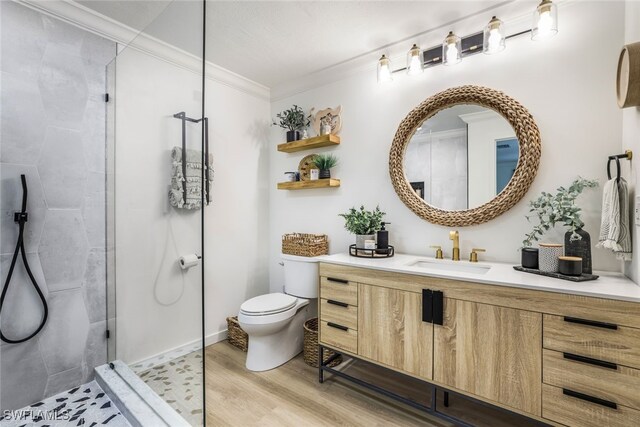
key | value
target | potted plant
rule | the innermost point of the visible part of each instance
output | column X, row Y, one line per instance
column 560, row 208
column 325, row 162
column 294, row 121
column 363, row 223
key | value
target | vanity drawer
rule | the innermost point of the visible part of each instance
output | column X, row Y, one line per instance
column 339, row 336
column 602, row 341
column 339, row 290
column 608, row 381
column 339, row 312
column 559, row 406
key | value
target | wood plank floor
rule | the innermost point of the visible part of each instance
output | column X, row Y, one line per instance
column 292, row 396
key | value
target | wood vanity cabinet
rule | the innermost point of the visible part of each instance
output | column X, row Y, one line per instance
column 559, row 358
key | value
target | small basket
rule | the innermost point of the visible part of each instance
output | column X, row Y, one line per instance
column 308, row 245
column 236, row 336
column 310, row 349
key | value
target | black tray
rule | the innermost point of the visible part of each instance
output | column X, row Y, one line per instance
column 371, row 253
column 581, row 278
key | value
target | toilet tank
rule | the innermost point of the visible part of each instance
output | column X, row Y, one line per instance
column 301, row 276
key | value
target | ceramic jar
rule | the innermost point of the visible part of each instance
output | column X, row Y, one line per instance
column 548, row 257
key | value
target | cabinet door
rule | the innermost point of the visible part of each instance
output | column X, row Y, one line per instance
column 391, row 330
column 490, row 351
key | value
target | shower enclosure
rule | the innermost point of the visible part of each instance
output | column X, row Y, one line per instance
column 95, row 125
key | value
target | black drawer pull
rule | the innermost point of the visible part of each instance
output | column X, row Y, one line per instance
column 591, row 323
column 590, row 361
column 340, row 303
column 335, row 325
column 588, row 398
column 333, row 279
column 427, row 305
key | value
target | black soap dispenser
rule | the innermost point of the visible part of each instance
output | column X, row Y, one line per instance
column 382, row 239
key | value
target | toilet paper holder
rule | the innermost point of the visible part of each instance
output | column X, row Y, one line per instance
column 190, row 260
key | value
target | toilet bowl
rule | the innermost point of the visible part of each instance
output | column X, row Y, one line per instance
column 274, row 322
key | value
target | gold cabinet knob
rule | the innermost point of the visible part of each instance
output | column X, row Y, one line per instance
column 438, row 249
column 473, row 256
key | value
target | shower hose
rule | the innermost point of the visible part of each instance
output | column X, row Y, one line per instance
column 21, row 219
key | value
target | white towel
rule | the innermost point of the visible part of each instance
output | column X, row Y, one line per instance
column 614, row 227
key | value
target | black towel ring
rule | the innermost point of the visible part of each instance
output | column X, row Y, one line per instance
column 628, row 154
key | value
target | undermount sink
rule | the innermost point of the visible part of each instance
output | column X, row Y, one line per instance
column 457, row 266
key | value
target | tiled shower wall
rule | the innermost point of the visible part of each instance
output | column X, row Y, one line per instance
column 52, row 130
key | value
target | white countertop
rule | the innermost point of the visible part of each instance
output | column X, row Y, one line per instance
column 608, row 285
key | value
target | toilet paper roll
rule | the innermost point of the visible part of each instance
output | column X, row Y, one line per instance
column 188, row 261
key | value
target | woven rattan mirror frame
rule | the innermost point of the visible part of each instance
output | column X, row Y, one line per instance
column 530, row 147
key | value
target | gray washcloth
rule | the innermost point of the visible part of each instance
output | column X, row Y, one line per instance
column 193, row 179
column 614, row 227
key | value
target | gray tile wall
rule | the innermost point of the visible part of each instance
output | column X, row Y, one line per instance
column 52, row 129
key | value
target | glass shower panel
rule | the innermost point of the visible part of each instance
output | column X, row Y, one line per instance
column 154, row 215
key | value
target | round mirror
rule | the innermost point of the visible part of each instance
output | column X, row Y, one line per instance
column 464, row 156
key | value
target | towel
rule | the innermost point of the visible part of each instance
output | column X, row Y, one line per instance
column 193, row 179
column 614, row 227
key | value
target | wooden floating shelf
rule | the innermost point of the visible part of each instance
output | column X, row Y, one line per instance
column 309, row 143
column 304, row 185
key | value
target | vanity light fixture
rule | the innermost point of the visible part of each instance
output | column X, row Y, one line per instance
column 494, row 37
column 545, row 21
column 384, row 69
column 415, row 63
column 452, row 49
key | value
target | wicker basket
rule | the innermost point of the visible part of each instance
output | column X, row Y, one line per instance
column 236, row 336
column 305, row 244
column 311, row 345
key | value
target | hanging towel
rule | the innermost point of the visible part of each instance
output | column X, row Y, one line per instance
column 193, row 179
column 614, row 228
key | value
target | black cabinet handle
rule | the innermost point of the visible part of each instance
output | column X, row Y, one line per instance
column 589, row 360
column 340, row 303
column 427, row 305
column 588, row 398
column 590, row 323
column 335, row 325
column 438, row 308
column 333, row 279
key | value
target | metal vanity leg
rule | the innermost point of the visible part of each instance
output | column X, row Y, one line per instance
column 320, row 363
column 446, row 399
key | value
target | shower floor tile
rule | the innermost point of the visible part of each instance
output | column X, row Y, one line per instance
column 179, row 383
column 86, row 406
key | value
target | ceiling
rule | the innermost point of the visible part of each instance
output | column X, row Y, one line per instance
column 273, row 42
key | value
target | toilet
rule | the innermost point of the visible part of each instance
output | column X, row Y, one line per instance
column 274, row 322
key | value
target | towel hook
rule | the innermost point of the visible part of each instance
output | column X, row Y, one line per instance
column 628, row 154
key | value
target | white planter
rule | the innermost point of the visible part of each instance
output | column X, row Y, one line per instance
column 548, row 257
column 360, row 238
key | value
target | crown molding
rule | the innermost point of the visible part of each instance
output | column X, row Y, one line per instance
column 96, row 23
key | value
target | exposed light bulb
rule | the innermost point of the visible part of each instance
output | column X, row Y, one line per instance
column 545, row 21
column 384, row 70
column 494, row 38
column 452, row 52
column 544, row 24
column 415, row 65
column 451, row 49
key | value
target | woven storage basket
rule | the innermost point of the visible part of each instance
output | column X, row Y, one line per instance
column 311, row 345
column 236, row 336
column 305, row 244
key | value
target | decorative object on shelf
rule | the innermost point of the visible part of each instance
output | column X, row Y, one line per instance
column 580, row 248
column 452, row 49
column 294, row 121
column 415, row 63
column 548, row 256
column 305, row 134
column 290, row 176
column 493, row 37
column 310, row 347
column 628, row 79
column 305, row 244
column 327, row 121
column 305, row 166
column 355, row 251
column 570, row 265
column 363, row 223
column 236, row 336
column 545, row 21
column 325, row 162
column 314, row 174
column 369, row 244
column 529, row 257
column 581, row 278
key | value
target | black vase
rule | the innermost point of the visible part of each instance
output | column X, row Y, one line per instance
column 579, row 248
column 293, row 135
column 529, row 258
column 325, row 173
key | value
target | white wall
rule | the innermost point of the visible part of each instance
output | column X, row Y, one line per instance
column 156, row 315
column 631, row 135
column 566, row 83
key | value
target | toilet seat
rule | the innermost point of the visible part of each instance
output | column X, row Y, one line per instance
column 268, row 304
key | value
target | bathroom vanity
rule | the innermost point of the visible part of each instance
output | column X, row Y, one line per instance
column 559, row 352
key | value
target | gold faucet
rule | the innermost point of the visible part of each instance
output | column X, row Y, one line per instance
column 455, row 236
